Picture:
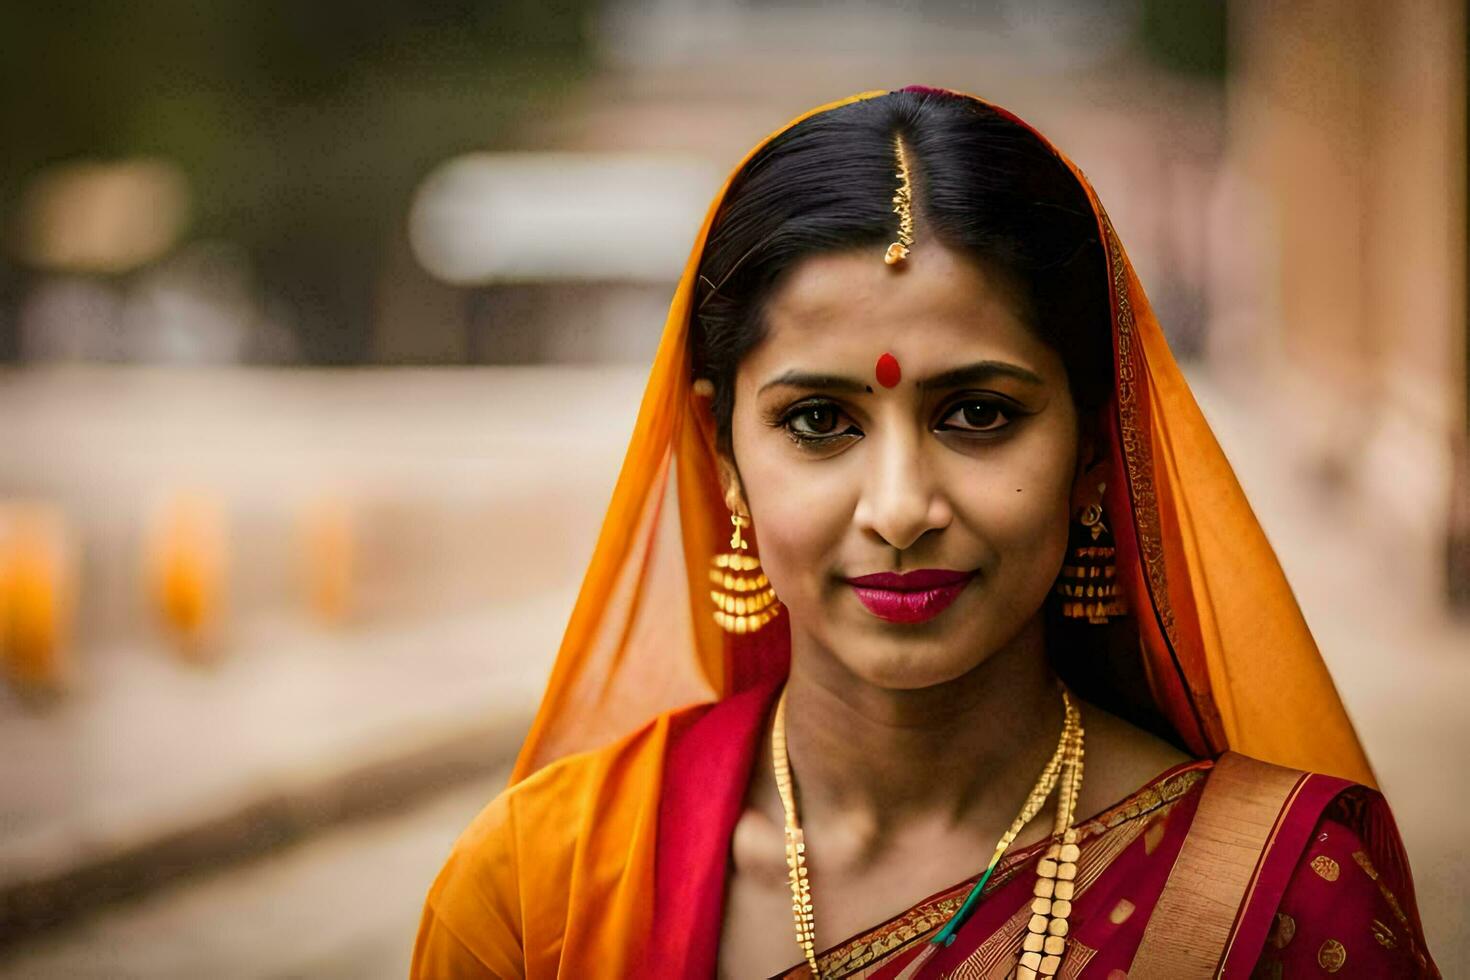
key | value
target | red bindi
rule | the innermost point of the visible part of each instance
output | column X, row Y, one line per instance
column 887, row 370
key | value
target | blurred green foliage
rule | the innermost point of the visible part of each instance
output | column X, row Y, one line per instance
column 303, row 126
column 1187, row 36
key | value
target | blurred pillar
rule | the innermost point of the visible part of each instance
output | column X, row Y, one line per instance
column 1457, row 551
column 1349, row 116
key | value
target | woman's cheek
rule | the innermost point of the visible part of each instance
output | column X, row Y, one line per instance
column 1025, row 524
column 800, row 525
column 1042, row 542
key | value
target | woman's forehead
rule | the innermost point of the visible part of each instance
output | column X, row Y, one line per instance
column 849, row 308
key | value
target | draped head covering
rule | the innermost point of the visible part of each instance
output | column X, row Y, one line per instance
column 1225, row 655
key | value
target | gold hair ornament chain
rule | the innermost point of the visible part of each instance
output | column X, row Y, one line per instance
column 1046, row 932
column 903, row 206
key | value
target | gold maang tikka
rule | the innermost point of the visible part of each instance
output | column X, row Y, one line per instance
column 744, row 599
column 903, row 206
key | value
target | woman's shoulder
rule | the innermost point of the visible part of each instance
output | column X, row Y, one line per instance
column 1333, row 866
column 509, row 879
column 1347, row 901
column 1122, row 759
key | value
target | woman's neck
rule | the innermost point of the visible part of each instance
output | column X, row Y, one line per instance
column 881, row 758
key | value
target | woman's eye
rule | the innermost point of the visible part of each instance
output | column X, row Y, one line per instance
column 817, row 420
column 816, row 423
column 977, row 416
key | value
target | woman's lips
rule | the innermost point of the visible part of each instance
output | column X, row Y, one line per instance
column 912, row 597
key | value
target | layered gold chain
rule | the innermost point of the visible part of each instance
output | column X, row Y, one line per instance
column 1047, row 929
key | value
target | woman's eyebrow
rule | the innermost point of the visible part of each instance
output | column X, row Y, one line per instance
column 968, row 374
column 978, row 372
column 806, row 379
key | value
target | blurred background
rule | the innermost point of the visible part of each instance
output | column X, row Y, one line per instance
column 304, row 307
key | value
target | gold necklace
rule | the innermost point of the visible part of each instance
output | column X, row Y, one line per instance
column 1045, row 941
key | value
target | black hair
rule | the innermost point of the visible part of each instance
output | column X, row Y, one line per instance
column 983, row 185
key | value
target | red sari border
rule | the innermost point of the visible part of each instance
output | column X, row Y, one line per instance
column 710, row 757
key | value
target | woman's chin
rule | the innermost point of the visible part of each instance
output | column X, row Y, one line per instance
column 906, row 669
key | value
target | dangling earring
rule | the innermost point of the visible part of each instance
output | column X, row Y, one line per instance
column 743, row 603
column 1089, row 585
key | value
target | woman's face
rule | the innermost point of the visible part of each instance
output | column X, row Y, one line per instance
column 967, row 464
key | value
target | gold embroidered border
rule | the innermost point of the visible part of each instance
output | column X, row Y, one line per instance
column 1145, row 801
column 1136, row 452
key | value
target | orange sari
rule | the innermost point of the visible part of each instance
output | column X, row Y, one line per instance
column 584, row 866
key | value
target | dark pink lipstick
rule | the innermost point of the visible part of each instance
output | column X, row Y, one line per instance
column 911, row 597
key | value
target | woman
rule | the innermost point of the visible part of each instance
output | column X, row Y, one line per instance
column 977, row 532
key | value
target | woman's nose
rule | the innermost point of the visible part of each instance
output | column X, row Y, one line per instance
column 901, row 500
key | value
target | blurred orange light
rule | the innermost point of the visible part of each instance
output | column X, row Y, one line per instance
column 187, row 571
column 37, row 581
column 328, row 556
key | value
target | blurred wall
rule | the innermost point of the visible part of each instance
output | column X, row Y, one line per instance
column 1349, row 118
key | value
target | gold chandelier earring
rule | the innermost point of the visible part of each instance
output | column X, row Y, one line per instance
column 744, row 598
column 1089, row 584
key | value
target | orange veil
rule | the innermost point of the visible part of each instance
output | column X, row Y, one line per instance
column 1229, row 661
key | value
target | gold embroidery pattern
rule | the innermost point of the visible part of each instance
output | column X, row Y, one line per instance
column 1146, row 801
column 1136, row 453
column 1325, row 867
column 1388, row 896
column 1282, row 930
column 996, row 957
column 1331, row 956
column 1363, row 861
column 1105, row 851
column 1004, row 943
column 1076, row 959
column 1121, row 912
column 913, row 925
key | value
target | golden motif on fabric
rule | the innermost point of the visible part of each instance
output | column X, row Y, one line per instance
column 1362, row 860
column 1283, row 929
column 1325, row 867
column 1331, row 956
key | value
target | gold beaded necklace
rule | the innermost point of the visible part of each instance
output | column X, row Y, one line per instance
column 1045, row 942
